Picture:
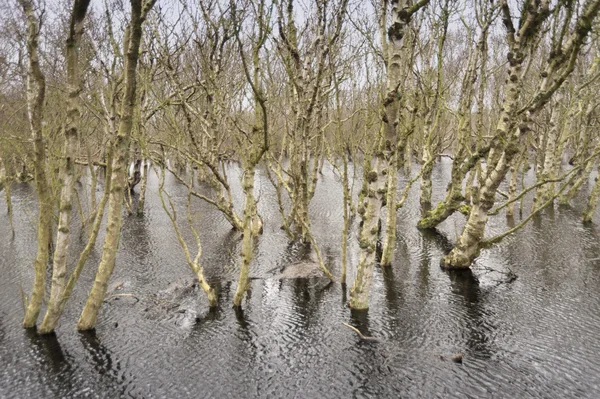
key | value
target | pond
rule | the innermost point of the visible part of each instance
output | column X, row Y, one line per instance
column 536, row 336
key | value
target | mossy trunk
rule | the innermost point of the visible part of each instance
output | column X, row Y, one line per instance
column 346, row 229
column 370, row 210
column 590, row 209
column 67, row 172
column 546, row 191
column 143, row 186
column 426, row 174
column 6, row 180
column 250, row 215
column 390, row 225
column 454, row 196
column 385, row 159
column 582, row 177
column 512, row 188
column 132, row 41
column 499, row 158
column 36, row 91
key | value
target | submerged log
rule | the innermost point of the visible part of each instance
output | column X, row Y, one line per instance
column 306, row 269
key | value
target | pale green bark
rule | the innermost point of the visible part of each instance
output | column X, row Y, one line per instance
column 6, row 180
column 461, row 164
column 546, row 191
column 306, row 72
column 426, row 184
column 506, row 144
column 67, row 172
column 467, row 247
column 132, row 39
column 248, row 240
column 36, row 90
column 390, row 225
column 252, row 225
column 193, row 263
column 584, row 146
column 512, row 188
column 430, row 149
column 143, row 186
column 384, row 159
column 592, row 203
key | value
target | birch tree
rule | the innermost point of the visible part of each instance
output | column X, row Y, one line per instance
column 305, row 69
column 67, row 173
column 517, row 112
column 36, row 91
column 132, row 39
column 384, row 158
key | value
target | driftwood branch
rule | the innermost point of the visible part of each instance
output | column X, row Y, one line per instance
column 360, row 335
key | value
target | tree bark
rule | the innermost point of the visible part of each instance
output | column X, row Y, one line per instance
column 375, row 195
column 87, row 320
column 507, row 141
column 67, row 173
column 546, row 191
column 36, row 91
column 249, row 234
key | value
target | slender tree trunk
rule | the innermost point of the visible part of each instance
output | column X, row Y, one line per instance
column 6, row 180
column 590, row 209
column 143, row 186
column 583, row 176
column 582, row 152
column 132, row 40
column 546, row 191
column 36, row 90
column 346, row 229
column 512, row 187
column 249, row 234
column 426, row 184
column 376, row 178
column 67, row 173
column 390, row 226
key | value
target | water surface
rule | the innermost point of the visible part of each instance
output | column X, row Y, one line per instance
column 534, row 337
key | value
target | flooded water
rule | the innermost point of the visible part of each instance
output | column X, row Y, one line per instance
column 537, row 336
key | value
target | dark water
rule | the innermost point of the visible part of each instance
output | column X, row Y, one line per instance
column 535, row 337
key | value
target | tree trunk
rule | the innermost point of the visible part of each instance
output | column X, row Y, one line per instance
column 36, row 90
column 590, row 209
column 6, row 180
column 467, row 247
column 426, row 184
column 143, row 186
column 546, row 191
column 249, row 234
column 67, row 173
column 132, row 40
column 390, row 225
column 385, row 155
column 512, row 187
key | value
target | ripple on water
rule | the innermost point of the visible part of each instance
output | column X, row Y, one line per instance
column 535, row 337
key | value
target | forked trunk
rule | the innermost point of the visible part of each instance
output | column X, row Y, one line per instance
column 36, row 90
column 132, row 40
column 67, row 172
